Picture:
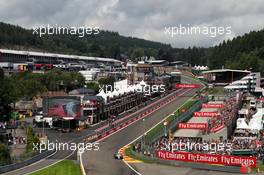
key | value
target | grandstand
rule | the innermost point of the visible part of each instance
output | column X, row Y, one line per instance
column 15, row 56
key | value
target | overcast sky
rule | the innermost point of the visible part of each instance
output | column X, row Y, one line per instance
column 141, row 18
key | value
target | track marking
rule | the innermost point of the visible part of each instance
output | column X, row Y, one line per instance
column 127, row 145
column 132, row 122
column 127, row 158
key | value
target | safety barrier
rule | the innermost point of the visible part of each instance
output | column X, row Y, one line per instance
column 203, row 166
column 33, row 159
column 172, row 125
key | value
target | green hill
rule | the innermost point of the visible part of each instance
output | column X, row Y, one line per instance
column 104, row 44
column 242, row 52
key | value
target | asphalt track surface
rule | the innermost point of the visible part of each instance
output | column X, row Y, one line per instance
column 60, row 155
column 102, row 162
column 94, row 161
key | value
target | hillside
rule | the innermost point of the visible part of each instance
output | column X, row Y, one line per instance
column 242, row 52
column 105, row 44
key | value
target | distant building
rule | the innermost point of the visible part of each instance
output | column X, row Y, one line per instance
column 158, row 62
column 179, row 64
column 200, row 68
column 90, row 75
column 82, row 92
column 139, row 72
column 250, row 83
column 16, row 56
column 28, row 60
column 223, row 76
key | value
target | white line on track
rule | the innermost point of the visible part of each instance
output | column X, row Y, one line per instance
column 138, row 173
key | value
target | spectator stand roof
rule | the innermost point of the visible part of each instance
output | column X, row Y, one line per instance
column 82, row 91
column 225, row 70
column 196, row 132
column 58, row 56
column 256, row 123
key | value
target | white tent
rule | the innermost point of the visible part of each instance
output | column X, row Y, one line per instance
column 126, row 90
column 241, row 124
column 256, row 122
column 103, row 95
column 121, row 84
column 109, row 94
column 121, row 91
column 142, row 83
column 138, row 88
column 134, row 88
column 130, row 88
column 115, row 93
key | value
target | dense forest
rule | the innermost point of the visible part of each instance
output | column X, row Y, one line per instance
column 105, row 44
column 242, row 52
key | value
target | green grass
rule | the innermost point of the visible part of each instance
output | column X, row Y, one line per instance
column 260, row 167
column 169, row 118
column 65, row 167
column 128, row 152
column 216, row 90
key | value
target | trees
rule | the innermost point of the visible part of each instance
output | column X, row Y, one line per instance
column 4, row 154
column 93, row 85
column 27, row 85
column 31, row 139
column 107, row 81
column 137, row 53
column 111, row 44
column 1, row 74
column 104, row 44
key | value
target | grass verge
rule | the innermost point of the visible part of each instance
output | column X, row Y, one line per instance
column 65, row 167
column 169, row 118
column 128, row 152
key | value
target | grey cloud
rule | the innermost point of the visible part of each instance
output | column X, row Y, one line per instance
column 139, row 18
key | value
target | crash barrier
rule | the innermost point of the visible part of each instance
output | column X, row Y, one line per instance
column 33, row 159
column 125, row 121
column 218, row 97
column 173, row 124
column 203, row 166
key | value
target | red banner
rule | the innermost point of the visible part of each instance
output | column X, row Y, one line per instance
column 187, row 86
column 205, row 114
column 208, row 158
column 218, row 128
column 192, row 125
column 208, row 105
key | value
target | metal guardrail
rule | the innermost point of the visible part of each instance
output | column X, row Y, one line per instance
column 137, row 114
column 174, row 123
column 172, row 126
column 11, row 167
column 203, row 166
